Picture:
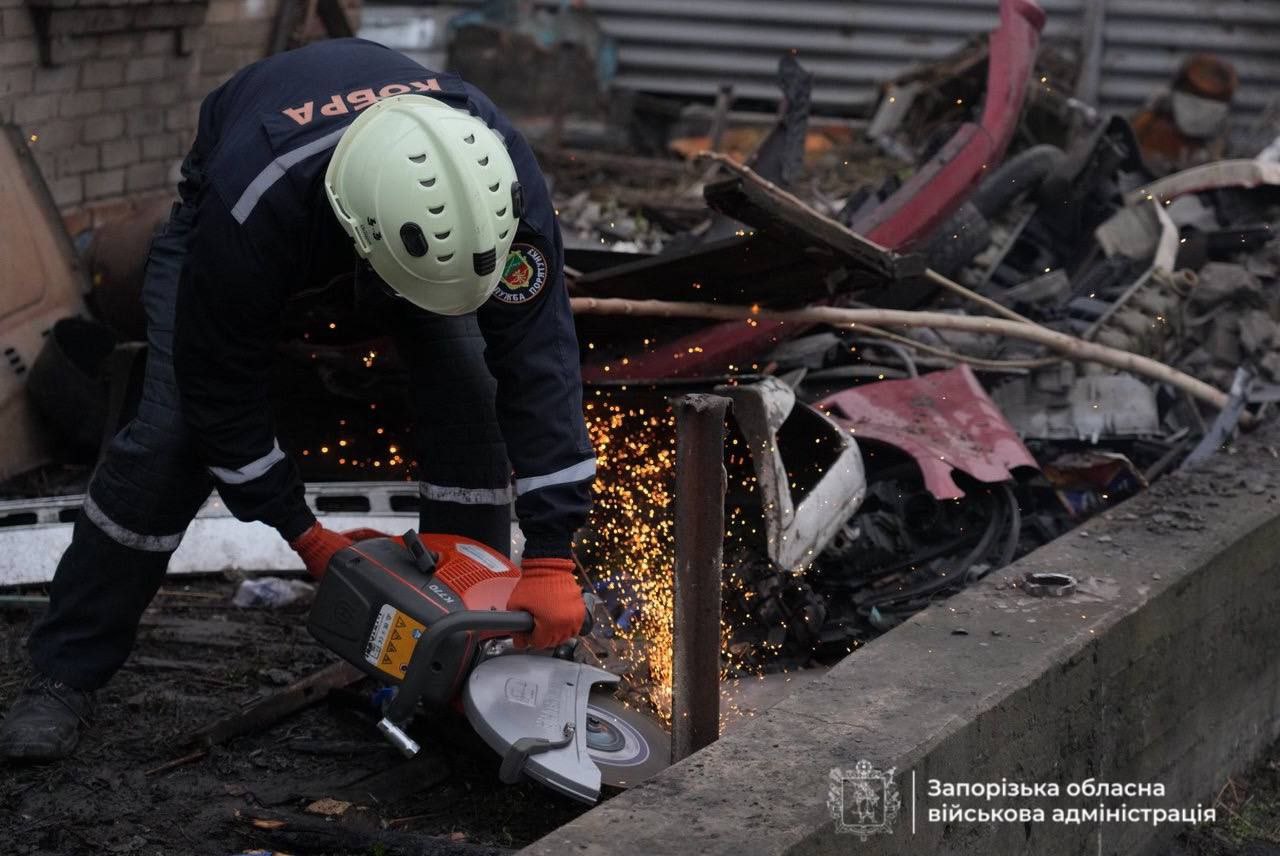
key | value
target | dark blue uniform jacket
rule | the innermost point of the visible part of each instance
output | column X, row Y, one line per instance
column 264, row 229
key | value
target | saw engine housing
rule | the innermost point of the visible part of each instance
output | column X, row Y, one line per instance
column 378, row 599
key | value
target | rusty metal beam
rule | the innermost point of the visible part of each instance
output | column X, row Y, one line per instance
column 700, row 491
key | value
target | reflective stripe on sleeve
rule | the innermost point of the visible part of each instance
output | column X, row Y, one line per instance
column 275, row 171
column 576, row 473
column 251, row 470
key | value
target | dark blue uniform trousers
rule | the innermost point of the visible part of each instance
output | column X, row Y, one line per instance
column 150, row 483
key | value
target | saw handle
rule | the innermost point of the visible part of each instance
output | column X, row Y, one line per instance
column 425, row 665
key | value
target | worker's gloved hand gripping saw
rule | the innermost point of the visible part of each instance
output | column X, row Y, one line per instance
column 547, row 589
column 549, row 592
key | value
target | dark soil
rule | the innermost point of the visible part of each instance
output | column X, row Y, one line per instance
column 199, row 658
column 1248, row 811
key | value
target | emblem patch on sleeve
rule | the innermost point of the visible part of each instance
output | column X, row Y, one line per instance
column 524, row 275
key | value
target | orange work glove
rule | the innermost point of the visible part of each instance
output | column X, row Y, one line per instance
column 549, row 592
column 316, row 546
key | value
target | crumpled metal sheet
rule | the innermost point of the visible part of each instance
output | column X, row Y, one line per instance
column 945, row 420
column 796, row 531
column 40, row 282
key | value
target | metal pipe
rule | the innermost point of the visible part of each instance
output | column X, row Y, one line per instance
column 719, row 115
column 700, row 490
column 1092, row 44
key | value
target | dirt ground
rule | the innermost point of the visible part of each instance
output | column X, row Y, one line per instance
column 198, row 658
column 1248, row 810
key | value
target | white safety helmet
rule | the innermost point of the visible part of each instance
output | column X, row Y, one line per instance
column 430, row 197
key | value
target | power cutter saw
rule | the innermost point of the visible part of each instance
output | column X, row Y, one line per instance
column 427, row 613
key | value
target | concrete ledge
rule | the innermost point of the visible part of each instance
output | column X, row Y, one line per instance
column 1164, row 667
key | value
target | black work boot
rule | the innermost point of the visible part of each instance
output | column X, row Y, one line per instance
column 45, row 721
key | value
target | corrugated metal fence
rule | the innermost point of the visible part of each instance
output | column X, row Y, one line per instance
column 1147, row 39
column 690, row 47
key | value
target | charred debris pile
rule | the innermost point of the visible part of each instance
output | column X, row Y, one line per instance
column 1091, row 299
column 952, row 328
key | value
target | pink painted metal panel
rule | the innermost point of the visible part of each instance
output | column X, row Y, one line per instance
column 944, row 420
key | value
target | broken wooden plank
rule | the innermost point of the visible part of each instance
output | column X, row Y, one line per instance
column 298, row 833
column 399, row 780
column 143, row 663
column 268, row 711
column 763, row 205
column 206, row 632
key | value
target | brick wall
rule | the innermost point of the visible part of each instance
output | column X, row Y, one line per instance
column 112, row 112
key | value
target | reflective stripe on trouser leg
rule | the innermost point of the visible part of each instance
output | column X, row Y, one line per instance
column 143, row 495
column 462, row 460
column 480, row 513
column 96, row 599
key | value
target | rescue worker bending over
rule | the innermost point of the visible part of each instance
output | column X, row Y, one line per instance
column 297, row 158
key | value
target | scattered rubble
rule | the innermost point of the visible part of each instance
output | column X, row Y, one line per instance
column 950, row 334
column 205, row 670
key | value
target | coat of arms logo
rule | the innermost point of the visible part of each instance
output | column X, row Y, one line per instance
column 863, row 800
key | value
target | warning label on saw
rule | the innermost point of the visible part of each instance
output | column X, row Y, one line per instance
column 392, row 641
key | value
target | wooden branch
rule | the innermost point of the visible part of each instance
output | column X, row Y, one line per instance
column 275, row 707
column 1069, row 346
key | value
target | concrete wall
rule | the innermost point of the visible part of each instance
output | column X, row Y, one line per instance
column 1164, row 667
column 110, row 117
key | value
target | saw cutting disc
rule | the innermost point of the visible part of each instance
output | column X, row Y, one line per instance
column 626, row 745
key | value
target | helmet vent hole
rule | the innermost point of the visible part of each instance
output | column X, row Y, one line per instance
column 484, row 161
column 436, row 210
column 469, row 139
column 502, row 212
column 445, row 258
column 503, row 234
column 493, row 188
column 440, row 236
column 427, row 182
column 418, row 158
